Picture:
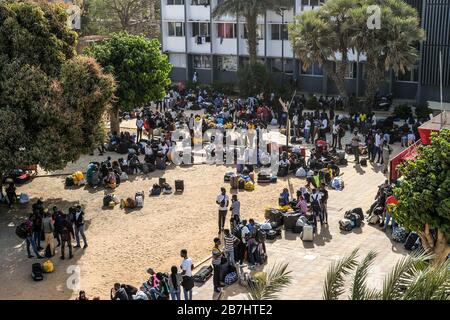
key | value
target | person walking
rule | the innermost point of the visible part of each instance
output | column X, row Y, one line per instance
column 79, row 227
column 217, row 256
column 30, row 239
column 48, row 229
column 186, row 273
column 222, row 200
column 355, row 145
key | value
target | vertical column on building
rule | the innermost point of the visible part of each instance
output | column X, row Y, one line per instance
column 296, row 62
column 419, row 84
column 188, row 57
column 325, row 80
column 213, row 62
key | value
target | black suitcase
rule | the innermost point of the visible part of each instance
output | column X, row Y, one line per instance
column 162, row 181
column 36, row 272
column 107, row 199
column 179, row 185
column 411, row 240
column 297, row 229
column 203, row 274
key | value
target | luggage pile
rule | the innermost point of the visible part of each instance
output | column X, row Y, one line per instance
column 352, row 219
column 266, row 178
column 110, row 201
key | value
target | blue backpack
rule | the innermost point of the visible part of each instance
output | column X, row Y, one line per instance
column 231, row 278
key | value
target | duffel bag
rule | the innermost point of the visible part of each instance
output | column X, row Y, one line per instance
column 345, row 224
column 203, row 274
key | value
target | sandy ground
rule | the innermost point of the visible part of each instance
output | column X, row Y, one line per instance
column 123, row 245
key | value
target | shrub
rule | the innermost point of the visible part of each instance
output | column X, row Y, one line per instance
column 422, row 111
column 312, row 103
column 402, row 111
column 225, row 88
column 253, row 79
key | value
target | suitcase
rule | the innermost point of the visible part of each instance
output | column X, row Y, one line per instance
column 297, row 229
column 179, row 185
column 107, row 199
column 411, row 240
column 307, row 233
column 290, row 221
column 273, row 179
column 36, row 272
column 203, row 274
column 162, row 181
column 241, row 184
column 234, row 182
column 139, row 199
column 160, row 163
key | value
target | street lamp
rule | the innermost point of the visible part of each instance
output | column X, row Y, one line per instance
column 282, row 10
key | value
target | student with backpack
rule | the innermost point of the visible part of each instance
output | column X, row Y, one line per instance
column 324, row 196
column 316, row 206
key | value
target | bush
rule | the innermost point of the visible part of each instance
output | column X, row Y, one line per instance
column 312, row 103
column 253, row 79
column 402, row 111
column 423, row 111
column 225, row 88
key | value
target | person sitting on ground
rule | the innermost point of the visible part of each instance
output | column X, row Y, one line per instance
column 118, row 293
column 283, row 200
column 110, row 180
column 302, row 205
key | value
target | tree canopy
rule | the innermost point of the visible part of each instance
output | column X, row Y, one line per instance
column 140, row 68
column 424, row 195
column 51, row 101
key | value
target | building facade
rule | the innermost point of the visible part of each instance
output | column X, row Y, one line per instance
column 215, row 47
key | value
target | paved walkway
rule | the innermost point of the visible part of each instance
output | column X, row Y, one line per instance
column 309, row 261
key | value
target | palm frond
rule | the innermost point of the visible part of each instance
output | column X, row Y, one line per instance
column 335, row 280
column 359, row 289
column 269, row 287
column 403, row 274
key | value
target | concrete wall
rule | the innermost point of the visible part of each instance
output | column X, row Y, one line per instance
column 178, row 74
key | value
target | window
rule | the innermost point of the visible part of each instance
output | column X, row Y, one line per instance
column 277, row 65
column 352, row 70
column 200, row 29
column 176, row 29
column 226, row 30
column 200, row 2
column 279, row 32
column 259, row 32
column 312, row 70
column 227, row 63
column 175, row 2
column 178, row 60
column 409, row 75
column 312, row 3
column 202, row 62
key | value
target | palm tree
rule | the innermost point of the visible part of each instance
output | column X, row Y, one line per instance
column 267, row 286
column 250, row 10
column 393, row 46
column 412, row 278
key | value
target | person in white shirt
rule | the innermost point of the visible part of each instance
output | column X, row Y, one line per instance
column 295, row 123
column 307, row 129
column 222, row 200
column 335, row 134
column 139, row 127
column 186, row 272
column 377, row 146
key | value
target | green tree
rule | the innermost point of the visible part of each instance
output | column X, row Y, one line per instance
column 412, row 278
column 424, row 195
column 36, row 34
column 324, row 36
column 394, row 46
column 250, row 10
column 253, row 79
column 267, row 286
column 49, row 115
column 138, row 65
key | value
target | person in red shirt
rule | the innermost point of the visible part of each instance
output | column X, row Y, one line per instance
column 390, row 202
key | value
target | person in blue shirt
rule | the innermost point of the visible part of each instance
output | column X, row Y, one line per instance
column 251, row 225
column 284, row 197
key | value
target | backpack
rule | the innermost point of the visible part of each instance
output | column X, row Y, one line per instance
column 107, row 199
column 373, row 219
column 241, row 184
column 345, row 224
column 36, row 272
column 354, row 217
column 47, row 266
column 69, row 181
column 249, row 186
column 363, row 162
column 300, row 173
column 231, row 278
column 21, row 230
column 156, row 190
column 24, row 198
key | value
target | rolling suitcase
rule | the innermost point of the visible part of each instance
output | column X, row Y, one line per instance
column 307, row 233
column 162, row 181
column 36, row 272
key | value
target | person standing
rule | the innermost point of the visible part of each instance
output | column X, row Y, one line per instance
column 139, row 128
column 324, row 195
column 316, row 200
column 186, row 273
column 307, row 129
column 355, row 145
column 386, row 152
column 11, row 194
column 222, row 200
column 334, row 134
column 79, row 227
column 175, row 280
column 37, row 228
column 48, row 229
column 216, row 262
column 230, row 243
column 377, row 146
column 66, row 234
column 235, row 209
column 30, row 239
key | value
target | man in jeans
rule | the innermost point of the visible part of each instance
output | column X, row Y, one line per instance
column 186, row 272
column 66, row 235
column 79, row 227
column 30, row 239
column 139, row 128
column 355, row 145
column 222, row 200
column 230, row 242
